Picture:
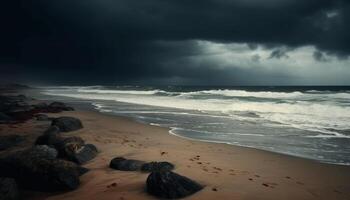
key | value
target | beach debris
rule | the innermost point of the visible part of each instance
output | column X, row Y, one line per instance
column 37, row 169
column 8, row 189
column 120, row 163
column 67, row 124
column 154, row 166
column 167, row 184
column 8, row 141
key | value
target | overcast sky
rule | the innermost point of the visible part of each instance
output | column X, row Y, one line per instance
column 182, row 42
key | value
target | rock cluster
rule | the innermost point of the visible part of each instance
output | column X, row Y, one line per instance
column 71, row 148
column 38, row 168
column 17, row 108
column 161, row 182
column 53, row 163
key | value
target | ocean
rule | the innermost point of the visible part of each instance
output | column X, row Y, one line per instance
column 306, row 121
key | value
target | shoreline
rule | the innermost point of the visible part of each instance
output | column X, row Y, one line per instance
column 227, row 171
column 169, row 132
column 288, row 141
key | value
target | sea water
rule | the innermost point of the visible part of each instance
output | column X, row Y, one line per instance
column 310, row 122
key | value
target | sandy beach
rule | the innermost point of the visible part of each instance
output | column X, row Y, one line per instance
column 226, row 171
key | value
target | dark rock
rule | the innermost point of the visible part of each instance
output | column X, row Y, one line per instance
column 70, row 148
column 21, row 112
column 42, row 151
column 8, row 141
column 54, row 107
column 5, row 118
column 50, row 137
column 123, row 164
column 67, row 144
column 42, row 117
column 41, row 106
column 82, row 170
column 156, row 166
column 167, row 184
column 60, row 106
column 74, row 149
column 52, row 130
column 67, row 124
column 38, row 171
column 83, row 154
column 8, row 189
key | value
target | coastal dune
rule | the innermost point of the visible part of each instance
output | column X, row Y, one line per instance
column 226, row 171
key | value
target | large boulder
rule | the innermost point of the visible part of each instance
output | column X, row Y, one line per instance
column 50, row 137
column 156, row 166
column 67, row 124
column 82, row 154
column 8, row 189
column 8, row 141
column 66, row 146
column 42, row 151
column 123, row 164
column 41, row 171
column 75, row 149
column 167, row 184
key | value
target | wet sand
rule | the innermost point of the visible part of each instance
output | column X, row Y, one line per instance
column 228, row 172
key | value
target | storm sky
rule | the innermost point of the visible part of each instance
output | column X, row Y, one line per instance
column 176, row 42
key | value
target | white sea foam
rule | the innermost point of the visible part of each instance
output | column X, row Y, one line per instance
column 307, row 115
column 243, row 93
column 132, row 92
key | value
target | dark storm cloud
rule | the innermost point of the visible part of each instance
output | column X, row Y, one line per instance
column 279, row 53
column 101, row 41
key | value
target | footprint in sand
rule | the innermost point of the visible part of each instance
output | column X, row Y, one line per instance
column 214, row 189
column 299, row 183
column 270, row 185
column 337, row 191
column 112, row 185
